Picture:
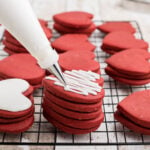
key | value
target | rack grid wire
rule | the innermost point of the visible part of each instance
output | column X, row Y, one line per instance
column 110, row 132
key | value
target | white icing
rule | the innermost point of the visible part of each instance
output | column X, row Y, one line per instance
column 79, row 81
column 11, row 97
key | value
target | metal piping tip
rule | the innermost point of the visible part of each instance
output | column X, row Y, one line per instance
column 56, row 71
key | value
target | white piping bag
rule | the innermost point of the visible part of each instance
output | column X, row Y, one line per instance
column 19, row 19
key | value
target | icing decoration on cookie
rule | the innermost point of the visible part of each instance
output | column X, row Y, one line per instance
column 11, row 97
column 79, row 81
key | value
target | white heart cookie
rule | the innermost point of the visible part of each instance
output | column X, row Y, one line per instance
column 11, row 97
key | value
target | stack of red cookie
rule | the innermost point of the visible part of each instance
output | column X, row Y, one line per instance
column 13, row 46
column 133, row 112
column 74, row 22
column 16, row 106
column 109, row 27
column 73, row 42
column 130, row 67
column 121, row 40
column 75, row 108
column 22, row 66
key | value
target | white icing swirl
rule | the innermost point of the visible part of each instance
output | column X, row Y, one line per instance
column 79, row 81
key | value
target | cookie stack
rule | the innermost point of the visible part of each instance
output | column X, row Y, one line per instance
column 121, row 40
column 133, row 112
column 77, row 107
column 74, row 22
column 109, row 27
column 130, row 67
column 16, row 106
column 72, row 42
column 13, row 46
column 22, row 66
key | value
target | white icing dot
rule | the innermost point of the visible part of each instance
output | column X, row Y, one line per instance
column 79, row 81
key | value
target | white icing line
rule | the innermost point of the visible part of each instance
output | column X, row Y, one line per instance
column 79, row 81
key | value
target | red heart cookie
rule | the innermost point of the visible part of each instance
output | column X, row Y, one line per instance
column 113, row 72
column 75, row 19
column 131, row 125
column 136, row 107
column 63, row 29
column 66, row 128
column 130, row 62
column 14, row 48
column 48, row 104
column 108, row 27
column 70, row 42
column 78, row 107
column 71, row 96
column 74, row 123
column 17, row 107
column 22, row 66
column 121, row 40
column 78, row 60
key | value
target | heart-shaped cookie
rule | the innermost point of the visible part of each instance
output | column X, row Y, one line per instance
column 14, row 48
column 67, row 129
column 16, row 100
column 108, row 27
column 136, row 108
column 77, row 94
column 78, row 107
column 22, row 66
column 48, row 104
column 70, row 42
column 121, row 40
column 131, row 125
column 62, row 29
column 75, row 19
column 16, row 105
column 78, row 60
column 111, row 71
column 130, row 62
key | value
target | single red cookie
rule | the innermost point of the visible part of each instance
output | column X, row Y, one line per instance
column 109, row 51
column 75, row 19
column 22, row 66
column 130, row 81
column 10, row 52
column 130, row 62
column 71, row 96
column 131, row 125
column 70, row 42
column 116, row 73
column 13, row 47
column 18, row 119
column 78, row 60
column 136, row 107
column 62, row 29
column 81, row 124
column 108, row 27
column 79, row 107
column 66, row 128
column 127, row 40
column 17, row 127
column 48, row 104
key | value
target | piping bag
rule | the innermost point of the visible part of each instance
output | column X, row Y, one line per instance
column 19, row 19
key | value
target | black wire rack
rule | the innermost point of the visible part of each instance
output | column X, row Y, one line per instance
column 110, row 132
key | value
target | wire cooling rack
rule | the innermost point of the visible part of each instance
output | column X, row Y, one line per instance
column 110, row 132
